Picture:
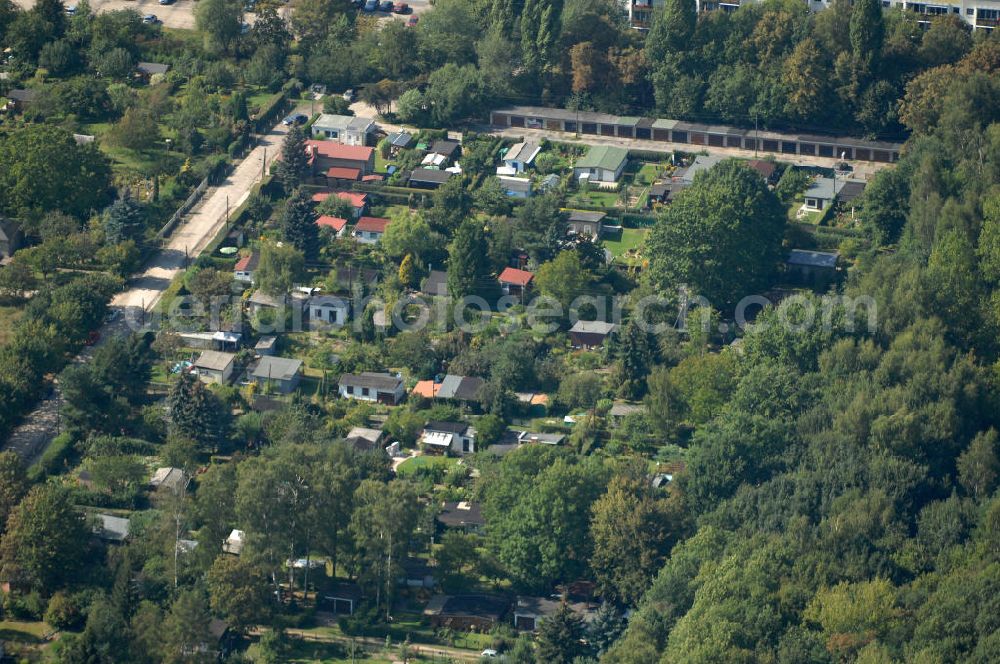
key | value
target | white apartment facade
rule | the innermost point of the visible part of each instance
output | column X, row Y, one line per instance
column 979, row 14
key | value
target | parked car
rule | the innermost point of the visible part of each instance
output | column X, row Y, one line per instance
column 489, row 652
column 166, row 2
column 385, row 6
column 370, row 6
column 358, row 3
column 295, row 119
column 412, row 23
column 71, row 10
column 401, row 8
column 349, row 94
column 150, row 19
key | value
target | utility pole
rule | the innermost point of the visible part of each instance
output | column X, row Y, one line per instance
column 177, row 518
column 755, row 139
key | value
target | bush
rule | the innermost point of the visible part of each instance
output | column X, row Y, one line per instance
column 792, row 183
column 546, row 163
column 54, row 456
column 24, row 607
column 64, row 612
column 581, row 390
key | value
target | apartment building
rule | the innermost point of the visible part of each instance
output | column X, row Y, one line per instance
column 979, row 14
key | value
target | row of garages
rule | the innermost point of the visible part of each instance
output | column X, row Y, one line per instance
column 691, row 133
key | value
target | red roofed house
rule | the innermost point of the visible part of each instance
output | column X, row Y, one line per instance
column 320, row 196
column 358, row 201
column 514, row 281
column 342, row 174
column 370, row 229
column 245, row 267
column 327, row 154
column 767, row 169
column 336, row 224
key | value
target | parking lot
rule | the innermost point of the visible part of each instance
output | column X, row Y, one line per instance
column 180, row 14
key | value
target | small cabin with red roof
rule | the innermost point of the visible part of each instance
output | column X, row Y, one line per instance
column 370, row 229
column 358, row 200
column 245, row 267
column 341, row 175
column 514, row 281
column 337, row 225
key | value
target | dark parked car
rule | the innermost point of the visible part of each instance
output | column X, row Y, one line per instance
column 412, row 23
column 401, row 8
column 295, row 119
column 370, row 6
column 150, row 19
column 385, row 6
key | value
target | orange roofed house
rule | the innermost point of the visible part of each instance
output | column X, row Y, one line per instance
column 370, row 229
column 514, row 281
column 342, row 175
column 326, row 155
column 357, row 200
column 336, row 224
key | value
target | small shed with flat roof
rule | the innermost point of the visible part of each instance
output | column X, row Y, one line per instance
column 282, row 373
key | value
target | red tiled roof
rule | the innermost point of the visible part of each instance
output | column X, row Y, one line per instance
column 357, row 200
column 334, row 150
column 336, row 223
column 341, row 173
column 426, row 388
column 511, row 275
column 243, row 263
column 372, row 224
column 765, row 168
column 321, row 196
column 374, row 177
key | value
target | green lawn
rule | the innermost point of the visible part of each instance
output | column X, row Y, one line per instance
column 381, row 164
column 647, row 174
column 425, row 461
column 624, row 247
column 605, row 199
column 809, row 217
column 8, row 316
column 23, row 632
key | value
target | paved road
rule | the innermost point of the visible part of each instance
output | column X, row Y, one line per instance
column 201, row 225
column 191, row 236
column 378, row 645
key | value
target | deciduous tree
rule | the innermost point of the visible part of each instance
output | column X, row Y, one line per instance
column 41, row 549
column 721, row 238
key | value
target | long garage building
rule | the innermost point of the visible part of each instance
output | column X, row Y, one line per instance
column 692, row 133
